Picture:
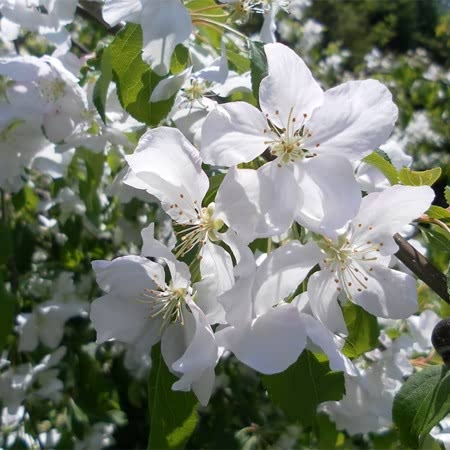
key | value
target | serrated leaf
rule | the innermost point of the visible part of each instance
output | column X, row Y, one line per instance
column 258, row 65
column 303, row 386
column 437, row 212
column 376, row 160
column 101, row 87
column 436, row 237
column 410, row 177
column 422, row 402
column 6, row 314
column 173, row 415
column 363, row 330
column 134, row 79
column 447, row 194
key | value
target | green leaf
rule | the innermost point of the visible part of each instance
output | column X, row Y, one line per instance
column 437, row 238
column 134, row 79
column 425, row 178
column 173, row 415
column 6, row 247
column 325, row 431
column 447, row 194
column 258, row 65
column 363, row 330
column 180, row 59
column 422, row 402
column 6, row 314
column 437, row 212
column 376, row 160
column 303, row 386
column 89, row 185
column 101, row 87
column 448, row 279
column 214, row 184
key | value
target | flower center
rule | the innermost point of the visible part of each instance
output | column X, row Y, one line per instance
column 350, row 262
column 166, row 303
column 52, row 90
column 195, row 90
column 287, row 143
column 198, row 233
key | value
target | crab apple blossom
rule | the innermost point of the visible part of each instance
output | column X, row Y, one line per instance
column 20, row 142
column 312, row 136
column 264, row 331
column 356, row 263
column 177, row 179
column 45, row 88
column 140, row 308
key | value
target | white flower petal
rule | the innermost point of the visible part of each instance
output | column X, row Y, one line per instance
column 151, row 247
column 249, row 202
column 390, row 293
column 123, row 313
column 322, row 337
column 382, row 214
column 281, row 273
column 323, row 301
column 114, row 11
column 172, row 170
column 271, row 343
column 217, row 263
column 329, row 193
column 200, row 353
column 289, row 88
column 165, row 23
column 237, row 302
column 170, row 86
column 233, row 133
column 354, row 119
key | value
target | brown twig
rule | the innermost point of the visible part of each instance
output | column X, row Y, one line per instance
column 421, row 267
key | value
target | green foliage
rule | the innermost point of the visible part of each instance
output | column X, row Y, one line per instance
column 447, row 195
column 424, row 178
column 214, row 184
column 180, row 59
column 303, row 386
column 362, row 25
column 173, row 415
column 363, row 330
column 448, row 279
column 102, row 85
column 258, row 65
column 437, row 212
column 437, row 238
column 422, row 402
column 134, row 79
column 7, row 307
column 380, row 162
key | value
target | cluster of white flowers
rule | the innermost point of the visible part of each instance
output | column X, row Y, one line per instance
column 313, row 140
column 288, row 168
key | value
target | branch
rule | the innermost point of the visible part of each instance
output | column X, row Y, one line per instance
column 422, row 268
